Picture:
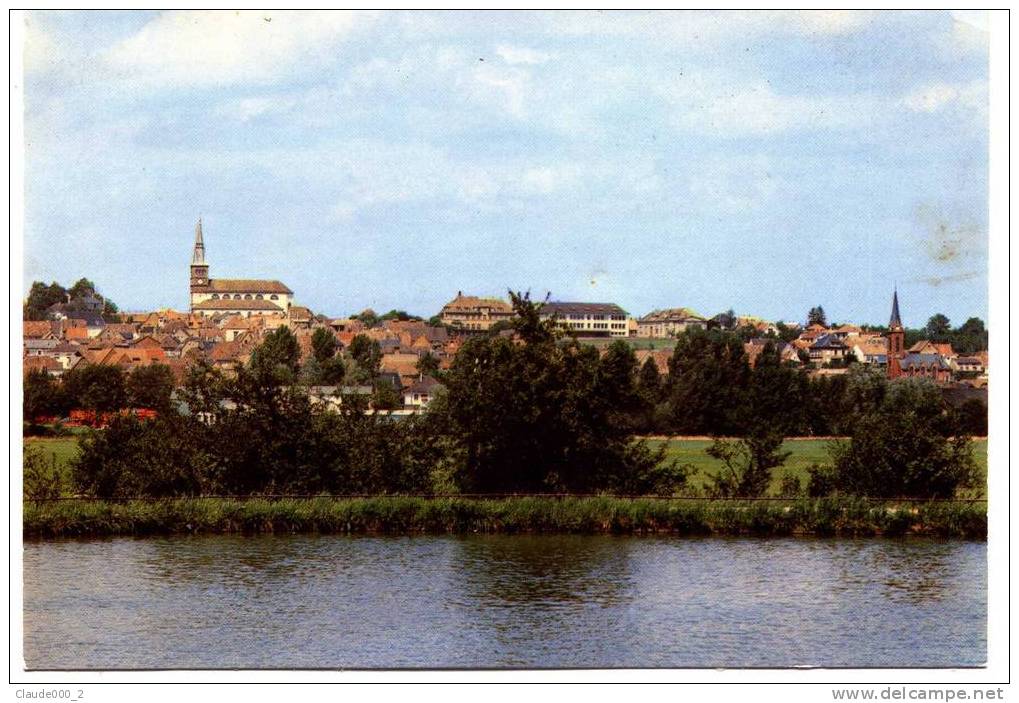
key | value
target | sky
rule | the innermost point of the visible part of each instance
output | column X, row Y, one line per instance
column 761, row 161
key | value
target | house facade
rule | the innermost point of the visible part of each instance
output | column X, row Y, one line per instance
column 588, row 319
column 469, row 313
column 669, row 323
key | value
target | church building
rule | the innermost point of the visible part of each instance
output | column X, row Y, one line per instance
column 212, row 296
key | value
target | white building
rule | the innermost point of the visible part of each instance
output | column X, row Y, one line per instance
column 588, row 319
column 212, row 296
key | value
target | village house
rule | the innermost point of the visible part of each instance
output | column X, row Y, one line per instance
column 669, row 323
column 421, row 393
column 827, row 348
column 468, row 313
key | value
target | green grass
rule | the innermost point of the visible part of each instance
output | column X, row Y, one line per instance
column 62, row 450
column 805, row 452
column 634, row 342
column 408, row 515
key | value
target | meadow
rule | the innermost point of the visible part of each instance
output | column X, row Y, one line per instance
column 804, row 453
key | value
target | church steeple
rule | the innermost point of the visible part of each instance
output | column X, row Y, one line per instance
column 199, row 255
column 199, row 269
column 895, row 320
column 896, row 339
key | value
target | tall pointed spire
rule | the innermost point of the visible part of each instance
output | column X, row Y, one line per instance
column 896, row 321
column 199, row 255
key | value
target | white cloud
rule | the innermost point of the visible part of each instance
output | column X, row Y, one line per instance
column 245, row 109
column 722, row 106
column 210, row 48
column 523, row 55
column 698, row 28
column 733, row 184
column 940, row 96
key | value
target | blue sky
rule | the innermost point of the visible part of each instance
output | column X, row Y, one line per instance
column 764, row 161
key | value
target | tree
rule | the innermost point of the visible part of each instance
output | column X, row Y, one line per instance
column 538, row 413
column 41, row 297
column 96, row 387
column 972, row 418
column 937, row 328
column 43, row 395
column 708, row 375
column 367, row 317
column 723, row 320
column 366, row 353
column 323, row 345
column 401, row 315
column 278, row 357
column 816, row 316
column 970, row 337
column 82, row 289
column 428, row 364
column 777, row 394
column 748, row 464
column 905, row 450
column 385, row 397
column 151, row 387
column 324, row 368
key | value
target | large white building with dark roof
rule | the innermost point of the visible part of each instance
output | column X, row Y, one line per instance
column 212, row 296
column 588, row 319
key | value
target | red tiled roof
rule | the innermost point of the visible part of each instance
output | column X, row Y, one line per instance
column 237, row 305
column 245, row 285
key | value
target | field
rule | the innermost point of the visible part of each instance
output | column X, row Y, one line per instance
column 805, row 452
column 688, row 451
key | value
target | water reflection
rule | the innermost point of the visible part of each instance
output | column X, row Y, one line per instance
column 502, row 601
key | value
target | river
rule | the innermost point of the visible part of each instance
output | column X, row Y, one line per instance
column 311, row 601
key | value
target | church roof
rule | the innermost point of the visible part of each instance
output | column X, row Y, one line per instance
column 237, row 305
column 895, row 320
column 245, row 285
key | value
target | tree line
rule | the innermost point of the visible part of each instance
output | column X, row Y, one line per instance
column 534, row 412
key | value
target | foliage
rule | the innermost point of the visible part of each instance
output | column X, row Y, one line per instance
column 41, row 297
column 150, row 387
column 277, row 359
column 904, row 449
column 452, row 515
column 323, row 345
column 428, row 364
column 366, row 353
column 972, row 418
column 709, row 375
column 817, row 316
column 95, row 387
column 541, row 412
column 748, row 464
column 44, row 395
column 42, row 479
column 937, row 328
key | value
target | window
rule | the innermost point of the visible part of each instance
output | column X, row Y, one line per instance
column 274, row 297
column 259, row 297
column 215, row 296
column 248, row 296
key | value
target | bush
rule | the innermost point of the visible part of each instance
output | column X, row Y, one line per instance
column 42, row 479
column 748, row 464
column 904, row 450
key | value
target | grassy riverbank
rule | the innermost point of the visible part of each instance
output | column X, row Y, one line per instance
column 406, row 515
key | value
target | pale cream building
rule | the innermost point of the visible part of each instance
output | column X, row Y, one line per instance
column 247, row 297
